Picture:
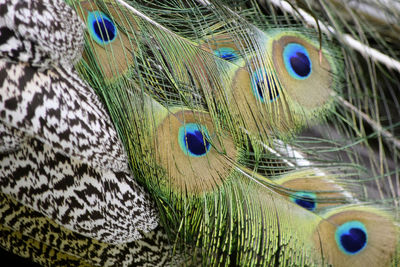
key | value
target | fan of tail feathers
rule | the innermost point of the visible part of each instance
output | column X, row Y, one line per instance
column 199, row 133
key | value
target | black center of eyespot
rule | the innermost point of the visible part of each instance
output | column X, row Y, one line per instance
column 260, row 83
column 354, row 240
column 300, row 64
column 196, row 143
column 306, row 202
column 193, row 140
column 351, row 237
column 297, row 61
column 104, row 29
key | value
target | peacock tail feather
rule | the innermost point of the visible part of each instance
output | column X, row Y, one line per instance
column 215, row 133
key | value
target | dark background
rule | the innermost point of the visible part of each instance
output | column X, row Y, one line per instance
column 9, row 259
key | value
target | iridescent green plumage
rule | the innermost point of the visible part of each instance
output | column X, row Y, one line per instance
column 227, row 221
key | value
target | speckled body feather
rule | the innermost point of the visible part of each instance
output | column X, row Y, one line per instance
column 50, row 117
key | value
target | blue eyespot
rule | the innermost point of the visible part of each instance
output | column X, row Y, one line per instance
column 305, row 200
column 351, row 237
column 260, row 82
column 226, row 53
column 101, row 28
column 192, row 140
column 297, row 61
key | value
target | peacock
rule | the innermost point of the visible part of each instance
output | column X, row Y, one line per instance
column 200, row 132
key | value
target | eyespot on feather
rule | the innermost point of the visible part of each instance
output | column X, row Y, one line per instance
column 193, row 139
column 311, row 190
column 193, row 158
column 226, row 53
column 357, row 236
column 261, row 83
column 351, row 237
column 297, row 61
column 307, row 79
column 101, row 28
column 304, row 199
column 109, row 48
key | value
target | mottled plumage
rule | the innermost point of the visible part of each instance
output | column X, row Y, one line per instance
column 58, row 121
